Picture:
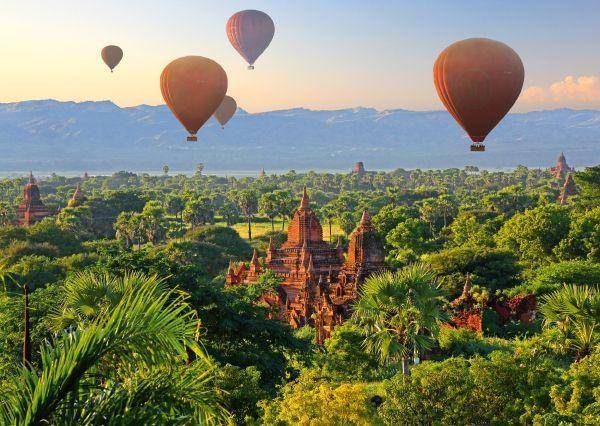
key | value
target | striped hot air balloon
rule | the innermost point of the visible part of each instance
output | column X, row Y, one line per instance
column 250, row 33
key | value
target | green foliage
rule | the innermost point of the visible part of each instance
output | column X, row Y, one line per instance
column 464, row 342
column 225, row 238
column 551, row 277
column 491, row 268
column 504, row 389
column 311, row 401
column 144, row 331
column 533, row 235
column 583, row 240
column 575, row 312
column 399, row 313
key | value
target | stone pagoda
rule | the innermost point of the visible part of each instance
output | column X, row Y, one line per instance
column 318, row 280
column 31, row 210
column 561, row 169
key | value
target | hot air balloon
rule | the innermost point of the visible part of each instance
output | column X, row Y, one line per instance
column 225, row 111
column 193, row 88
column 250, row 32
column 478, row 80
column 112, row 55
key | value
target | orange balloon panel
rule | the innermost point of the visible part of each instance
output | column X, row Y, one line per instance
column 226, row 110
column 478, row 80
column 193, row 88
column 112, row 55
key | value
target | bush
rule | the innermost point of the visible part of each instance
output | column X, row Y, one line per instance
column 552, row 277
column 464, row 342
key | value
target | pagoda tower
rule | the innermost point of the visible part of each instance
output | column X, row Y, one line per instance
column 561, row 169
column 568, row 189
column 31, row 210
column 78, row 197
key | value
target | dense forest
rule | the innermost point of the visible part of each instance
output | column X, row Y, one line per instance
column 130, row 321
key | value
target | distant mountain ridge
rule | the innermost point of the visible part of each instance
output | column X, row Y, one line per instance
column 49, row 135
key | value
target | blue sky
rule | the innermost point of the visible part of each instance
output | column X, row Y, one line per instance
column 325, row 54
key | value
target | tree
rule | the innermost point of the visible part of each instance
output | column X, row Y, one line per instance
column 399, row 313
column 153, row 222
column 247, row 199
column 198, row 212
column 175, row 205
column 229, row 211
column 532, row 235
column 7, row 214
column 199, row 169
column 589, row 182
column 409, row 240
column 139, row 346
column 268, row 205
column 575, row 312
column 583, row 240
column 328, row 211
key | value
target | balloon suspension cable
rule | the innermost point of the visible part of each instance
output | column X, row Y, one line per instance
column 250, row 67
column 477, row 147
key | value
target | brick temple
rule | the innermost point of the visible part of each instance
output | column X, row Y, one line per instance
column 319, row 281
column 561, row 169
column 31, row 210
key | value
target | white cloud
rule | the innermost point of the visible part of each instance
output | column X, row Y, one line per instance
column 572, row 91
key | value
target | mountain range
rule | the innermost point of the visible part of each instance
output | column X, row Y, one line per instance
column 48, row 135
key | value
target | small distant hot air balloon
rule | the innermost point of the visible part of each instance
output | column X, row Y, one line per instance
column 225, row 111
column 193, row 88
column 250, row 33
column 478, row 80
column 112, row 55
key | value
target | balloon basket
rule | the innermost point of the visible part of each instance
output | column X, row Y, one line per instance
column 250, row 67
column 192, row 138
column 478, row 147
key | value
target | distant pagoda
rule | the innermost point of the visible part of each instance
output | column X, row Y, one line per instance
column 359, row 168
column 262, row 173
column 568, row 189
column 31, row 210
column 561, row 169
column 78, row 197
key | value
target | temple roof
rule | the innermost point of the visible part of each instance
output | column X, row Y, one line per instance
column 304, row 227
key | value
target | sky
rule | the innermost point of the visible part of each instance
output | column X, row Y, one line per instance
column 326, row 54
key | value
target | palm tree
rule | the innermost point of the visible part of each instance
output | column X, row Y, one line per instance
column 575, row 312
column 119, row 365
column 6, row 275
column 399, row 313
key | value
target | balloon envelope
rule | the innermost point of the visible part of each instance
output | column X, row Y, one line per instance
column 112, row 55
column 250, row 33
column 478, row 80
column 226, row 110
column 193, row 88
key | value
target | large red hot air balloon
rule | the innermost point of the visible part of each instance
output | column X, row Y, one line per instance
column 112, row 55
column 250, row 33
column 193, row 88
column 478, row 80
column 226, row 110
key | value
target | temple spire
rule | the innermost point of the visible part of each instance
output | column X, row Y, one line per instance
column 304, row 203
column 271, row 244
column 254, row 260
column 31, row 178
column 365, row 220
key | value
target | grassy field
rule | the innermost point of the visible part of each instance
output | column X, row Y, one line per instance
column 262, row 228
